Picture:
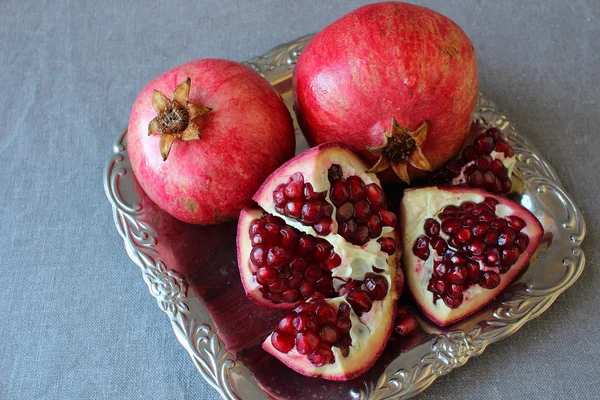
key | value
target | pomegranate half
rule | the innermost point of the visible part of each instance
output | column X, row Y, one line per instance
column 324, row 244
column 389, row 67
column 462, row 247
column 204, row 136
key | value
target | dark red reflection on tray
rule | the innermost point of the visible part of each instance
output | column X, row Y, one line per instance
column 206, row 256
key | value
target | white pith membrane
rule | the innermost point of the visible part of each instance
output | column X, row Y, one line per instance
column 422, row 203
column 370, row 331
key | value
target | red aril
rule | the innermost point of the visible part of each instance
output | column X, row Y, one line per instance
column 453, row 281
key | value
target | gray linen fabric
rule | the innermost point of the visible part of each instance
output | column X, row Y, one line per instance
column 76, row 320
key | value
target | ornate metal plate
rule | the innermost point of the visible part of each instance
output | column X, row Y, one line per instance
column 192, row 273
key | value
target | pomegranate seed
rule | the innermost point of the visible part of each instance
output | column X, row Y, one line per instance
column 273, row 219
column 277, row 257
column 374, row 225
column 343, row 325
column 357, row 188
column 306, row 308
column 376, row 286
column 306, row 342
column 294, row 282
column 334, row 173
column 510, row 255
column 280, row 210
column 304, row 322
column 484, row 144
column 405, row 324
column 506, row 185
column 432, row 227
column 333, row 261
column 359, row 300
column 438, row 244
column 362, row 210
column 440, row 269
column 290, row 296
column 483, row 163
column 452, row 242
column 258, row 256
column 272, row 234
column 279, row 197
column 491, row 256
column 344, row 349
column 256, row 226
column 293, row 208
column 289, row 238
column 477, row 247
column 312, row 212
column 421, row 247
column 491, row 236
column 516, row 223
column 325, row 286
column 457, row 274
column 306, row 245
column 469, row 154
column 451, row 225
column 375, row 196
column 510, row 152
column 501, row 146
column 496, row 167
column 453, row 302
column 450, row 209
column 495, row 133
column 310, row 194
column 479, row 208
column 284, row 272
column 507, row 236
column 522, row 241
column 286, row 325
column 468, row 221
column 327, row 209
column 388, row 218
column 361, row 236
column 487, row 216
column 489, row 280
column 437, row 286
column 473, row 272
column 388, row 245
column 488, row 179
column 499, row 223
column 476, row 179
column 322, row 250
column 340, row 192
column 307, row 289
column 329, row 335
column 266, row 276
column 282, row 342
column 463, row 235
column 323, row 227
column 345, row 212
column 459, row 259
column 348, row 229
column 297, row 266
column 279, row 286
column 491, row 203
column 326, row 314
column 455, row 290
column 467, row 206
column 295, row 190
column 321, row 356
column 314, row 273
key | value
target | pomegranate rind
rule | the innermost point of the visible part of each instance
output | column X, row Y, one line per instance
column 421, row 203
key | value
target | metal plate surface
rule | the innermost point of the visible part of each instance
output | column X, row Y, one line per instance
column 191, row 271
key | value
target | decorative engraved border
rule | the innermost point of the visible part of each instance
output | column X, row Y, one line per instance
column 195, row 329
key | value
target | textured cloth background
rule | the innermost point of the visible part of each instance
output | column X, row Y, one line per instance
column 76, row 320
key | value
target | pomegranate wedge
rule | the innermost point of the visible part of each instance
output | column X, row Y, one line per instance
column 462, row 247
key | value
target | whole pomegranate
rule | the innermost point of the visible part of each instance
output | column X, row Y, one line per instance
column 395, row 80
column 462, row 247
column 204, row 136
column 324, row 244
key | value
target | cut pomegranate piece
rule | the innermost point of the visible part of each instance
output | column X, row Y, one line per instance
column 341, row 280
column 486, row 164
column 453, row 281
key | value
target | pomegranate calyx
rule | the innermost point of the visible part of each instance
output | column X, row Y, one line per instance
column 174, row 119
column 401, row 147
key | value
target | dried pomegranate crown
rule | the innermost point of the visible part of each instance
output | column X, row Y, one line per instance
column 174, row 119
column 401, row 147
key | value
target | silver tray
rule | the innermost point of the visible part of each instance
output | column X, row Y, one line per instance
column 191, row 271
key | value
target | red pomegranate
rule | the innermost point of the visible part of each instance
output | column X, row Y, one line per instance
column 462, row 247
column 324, row 244
column 395, row 80
column 204, row 136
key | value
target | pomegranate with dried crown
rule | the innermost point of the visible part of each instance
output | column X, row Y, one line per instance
column 395, row 80
column 486, row 163
column 462, row 247
column 204, row 136
column 324, row 244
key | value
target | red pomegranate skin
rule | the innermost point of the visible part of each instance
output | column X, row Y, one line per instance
column 388, row 60
column 246, row 136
